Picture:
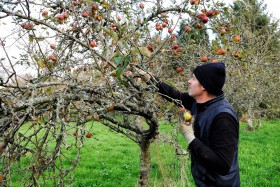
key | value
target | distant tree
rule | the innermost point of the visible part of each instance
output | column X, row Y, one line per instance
column 254, row 86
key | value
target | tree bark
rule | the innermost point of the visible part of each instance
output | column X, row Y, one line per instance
column 250, row 119
column 145, row 163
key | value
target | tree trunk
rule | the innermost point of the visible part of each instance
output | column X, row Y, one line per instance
column 250, row 119
column 145, row 163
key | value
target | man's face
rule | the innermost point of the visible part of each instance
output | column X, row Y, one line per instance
column 195, row 88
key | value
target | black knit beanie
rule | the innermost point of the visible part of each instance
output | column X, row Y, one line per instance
column 211, row 76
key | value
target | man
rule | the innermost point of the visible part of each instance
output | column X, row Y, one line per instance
column 213, row 140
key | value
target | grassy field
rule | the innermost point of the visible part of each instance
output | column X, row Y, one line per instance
column 113, row 160
column 110, row 159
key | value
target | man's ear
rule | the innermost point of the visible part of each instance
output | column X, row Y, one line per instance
column 203, row 89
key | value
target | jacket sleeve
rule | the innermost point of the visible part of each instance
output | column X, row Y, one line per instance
column 171, row 94
column 223, row 141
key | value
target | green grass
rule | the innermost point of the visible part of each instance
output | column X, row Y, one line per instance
column 259, row 159
column 113, row 160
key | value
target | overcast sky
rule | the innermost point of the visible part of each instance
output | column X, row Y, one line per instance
column 273, row 7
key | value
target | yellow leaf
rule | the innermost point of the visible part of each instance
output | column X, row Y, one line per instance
column 89, row 117
column 105, row 4
column 49, row 91
column 145, row 51
column 41, row 64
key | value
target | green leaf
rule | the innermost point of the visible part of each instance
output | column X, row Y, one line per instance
column 45, row 79
column 36, row 58
column 111, row 33
column 31, row 38
column 118, row 60
column 123, row 67
column 40, row 39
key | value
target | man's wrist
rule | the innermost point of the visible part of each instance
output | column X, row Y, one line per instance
column 189, row 136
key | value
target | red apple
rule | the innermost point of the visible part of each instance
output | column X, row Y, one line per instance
column 236, row 39
column 164, row 24
column 94, row 6
column 141, row 5
column 205, row 19
column 214, row 60
column 175, row 46
column 85, row 14
column 179, row 70
column 223, row 31
column 45, row 13
column 150, row 47
column 216, row 12
column 200, row 16
column 170, row 30
column 192, row 2
column 92, row 44
column 53, row 57
column 210, row 13
column 53, row 46
column 203, row 58
column 66, row 15
column 179, row 49
column 187, row 28
column 60, row 17
column 22, row 25
column 75, row 134
column 221, row 51
column 110, row 108
column 158, row 27
column 88, row 135
column 182, row 109
column 198, row 25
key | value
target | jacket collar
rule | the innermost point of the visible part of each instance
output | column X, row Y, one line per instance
column 203, row 106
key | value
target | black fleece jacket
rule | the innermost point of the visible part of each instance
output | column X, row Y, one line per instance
column 223, row 136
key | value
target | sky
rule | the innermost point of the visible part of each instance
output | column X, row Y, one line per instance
column 273, row 7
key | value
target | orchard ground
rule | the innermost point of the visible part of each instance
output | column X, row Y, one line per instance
column 110, row 159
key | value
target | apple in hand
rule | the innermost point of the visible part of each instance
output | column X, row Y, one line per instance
column 187, row 116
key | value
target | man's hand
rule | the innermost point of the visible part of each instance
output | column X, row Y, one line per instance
column 187, row 131
column 143, row 73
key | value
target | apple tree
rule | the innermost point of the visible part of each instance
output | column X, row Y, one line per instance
column 66, row 64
